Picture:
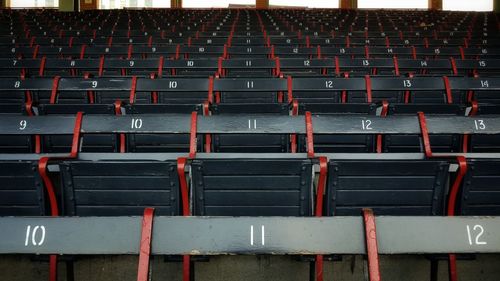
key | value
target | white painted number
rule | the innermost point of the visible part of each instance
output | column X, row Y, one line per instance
column 94, row 84
column 22, row 125
column 407, row 83
column 262, row 235
column 329, row 84
column 479, row 124
column 172, row 84
column 32, row 237
column 485, row 84
column 136, row 123
column 366, row 124
column 17, row 84
column 252, row 125
column 476, row 233
column 249, row 84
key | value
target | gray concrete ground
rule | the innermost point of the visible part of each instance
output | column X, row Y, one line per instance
column 248, row 268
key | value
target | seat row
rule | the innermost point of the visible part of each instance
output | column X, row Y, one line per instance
column 177, row 51
column 316, row 21
column 249, row 67
column 186, row 90
column 253, row 184
column 250, row 187
column 220, row 38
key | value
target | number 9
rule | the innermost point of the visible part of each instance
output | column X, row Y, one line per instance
column 22, row 125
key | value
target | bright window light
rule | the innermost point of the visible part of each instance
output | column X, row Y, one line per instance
column 161, row 4
column 302, row 3
column 394, row 4
column 120, row 4
column 215, row 3
column 34, row 3
column 468, row 5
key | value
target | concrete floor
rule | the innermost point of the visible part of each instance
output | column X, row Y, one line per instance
column 248, row 268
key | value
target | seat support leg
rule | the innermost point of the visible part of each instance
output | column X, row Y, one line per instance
column 145, row 246
column 371, row 245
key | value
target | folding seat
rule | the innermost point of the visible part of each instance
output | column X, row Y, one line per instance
column 437, row 52
column 17, row 52
column 425, row 67
column 100, row 40
column 207, row 41
column 249, row 68
column 412, row 143
column 483, row 42
column 250, row 142
column 21, row 191
column 390, row 52
column 362, row 42
column 295, row 52
column 448, row 42
column 361, row 67
column 482, row 90
column 327, row 42
column 18, row 91
column 119, row 186
column 278, row 41
column 306, row 67
column 15, row 143
column 14, row 67
column 163, row 41
column 89, row 142
column 483, row 68
column 156, row 51
column 72, row 52
column 341, row 143
column 332, row 52
column 161, row 142
column 248, row 41
column 248, row 52
column 69, row 67
column 252, row 187
column 96, row 90
column 121, row 41
column 51, row 41
column 481, row 53
column 483, row 143
column 191, row 67
column 6, row 39
column 202, row 51
column 410, row 187
column 29, row 67
column 130, row 67
column 327, row 90
column 406, row 42
column 414, row 90
column 250, row 90
column 107, row 51
column 178, row 90
column 480, row 193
